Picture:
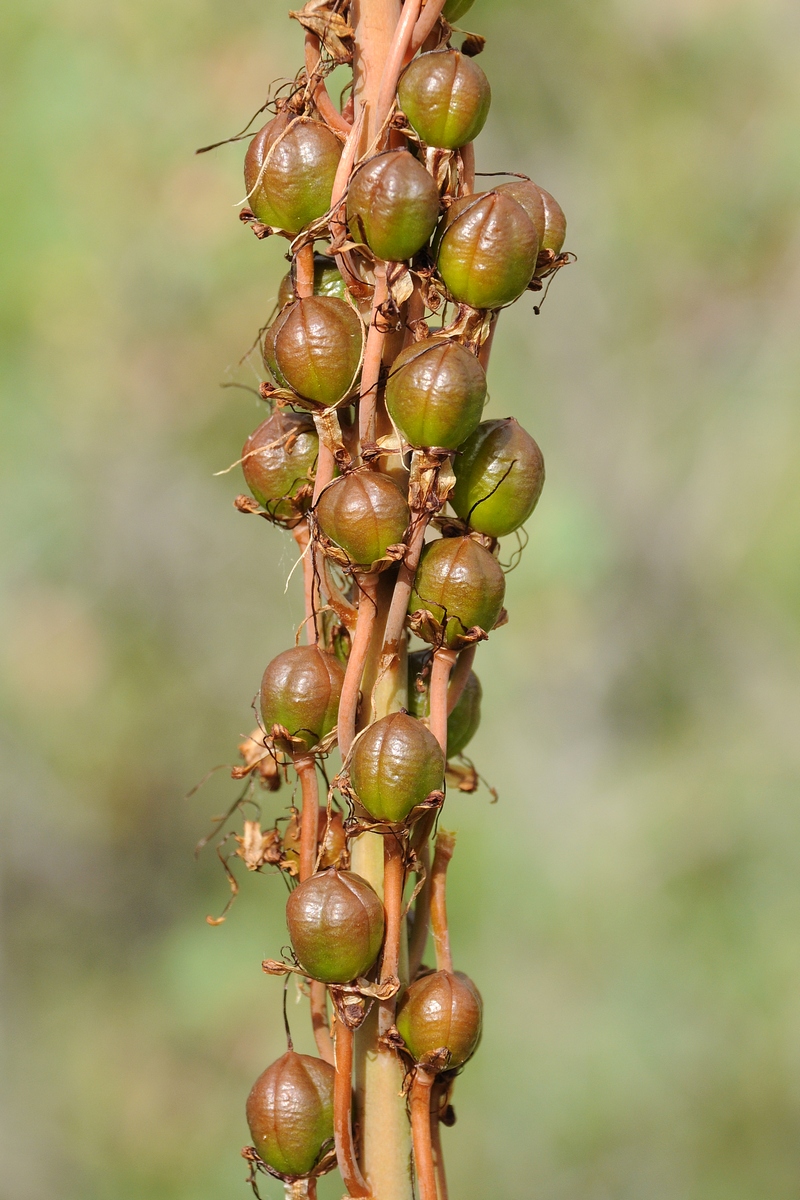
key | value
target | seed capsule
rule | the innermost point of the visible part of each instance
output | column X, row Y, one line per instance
column 435, row 393
column 555, row 224
column 461, row 584
column 529, row 195
column 327, row 282
column 454, row 9
column 314, row 347
column 392, row 205
column 290, row 1113
column 396, row 764
column 499, row 478
column 289, row 171
column 279, row 461
column 446, row 97
column 441, row 1011
column 330, row 835
column 300, row 690
column 463, row 722
column 486, row 250
column 335, row 922
column 364, row 513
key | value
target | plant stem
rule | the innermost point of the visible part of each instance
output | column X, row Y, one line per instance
column 371, row 367
column 445, row 845
column 436, row 1142
column 342, row 1104
column 424, row 26
column 325, row 106
column 422, row 912
column 394, row 878
column 459, row 676
column 374, row 23
column 300, row 533
column 398, row 51
column 443, row 662
column 348, row 703
column 421, row 1132
column 309, row 815
column 402, row 592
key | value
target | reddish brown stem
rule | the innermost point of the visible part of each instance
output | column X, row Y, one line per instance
column 402, row 592
column 394, row 878
column 342, row 1103
column 436, row 1142
column 443, row 662
column 424, row 26
column 422, row 916
column 445, row 845
column 421, row 1132
column 348, row 703
column 325, row 106
column 486, row 349
column 398, row 51
column 319, row 1020
column 309, row 815
column 373, row 354
column 459, row 676
column 304, row 271
column 468, row 169
column 300, row 533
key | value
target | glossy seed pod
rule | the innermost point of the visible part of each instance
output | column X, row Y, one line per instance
column 499, row 478
column 396, row 764
column 314, row 347
column 330, row 835
column 446, row 97
column 454, row 9
column 279, row 461
column 289, row 171
column 300, row 690
column 461, row 583
column 555, row 224
column 335, row 921
column 463, row 721
column 328, row 281
column 529, row 195
column 435, row 393
column 441, row 1011
column 290, row 1113
column 364, row 513
column 392, row 205
column 486, row 250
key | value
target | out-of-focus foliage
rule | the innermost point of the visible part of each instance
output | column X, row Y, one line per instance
column 631, row 908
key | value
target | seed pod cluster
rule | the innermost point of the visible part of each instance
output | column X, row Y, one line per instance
column 397, row 486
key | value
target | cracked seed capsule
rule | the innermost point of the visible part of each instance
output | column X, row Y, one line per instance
column 289, row 171
column 290, row 1113
column 486, row 250
column 279, row 462
column 396, row 764
column 463, row 721
column 461, row 584
column 300, row 691
column 392, row 205
column 499, row 478
column 441, row 1011
column 435, row 393
column 327, row 282
column 365, row 513
column 446, row 97
column 335, row 921
column 314, row 348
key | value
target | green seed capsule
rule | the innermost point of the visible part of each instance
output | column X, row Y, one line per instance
column 435, row 393
column 529, row 195
column 327, row 282
column 499, row 478
column 314, row 347
column 290, row 1113
column 454, row 9
column 555, row 224
column 336, row 923
column 446, row 97
column 392, row 205
column 300, row 690
column 461, row 583
column 442, row 1011
column 463, row 722
column 289, row 171
column 365, row 513
column 279, row 461
column 396, row 764
column 486, row 250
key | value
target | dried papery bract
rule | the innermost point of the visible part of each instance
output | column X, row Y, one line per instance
column 378, row 461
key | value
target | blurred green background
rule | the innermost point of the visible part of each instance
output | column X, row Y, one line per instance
column 631, row 907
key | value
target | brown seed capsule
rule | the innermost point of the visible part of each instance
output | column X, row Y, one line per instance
column 327, row 282
column 441, row 1011
column 392, row 205
column 289, row 171
column 461, row 584
column 330, row 836
column 529, row 195
column 290, row 1113
column 365, row 513
column 435, row 393
column 486, row 250
column 396, row 764
column 555, row 224
column 300, row 691
column 314, row 347
column 446, row 97
column 279, row 461
column 335, row 921
column 499, row 478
